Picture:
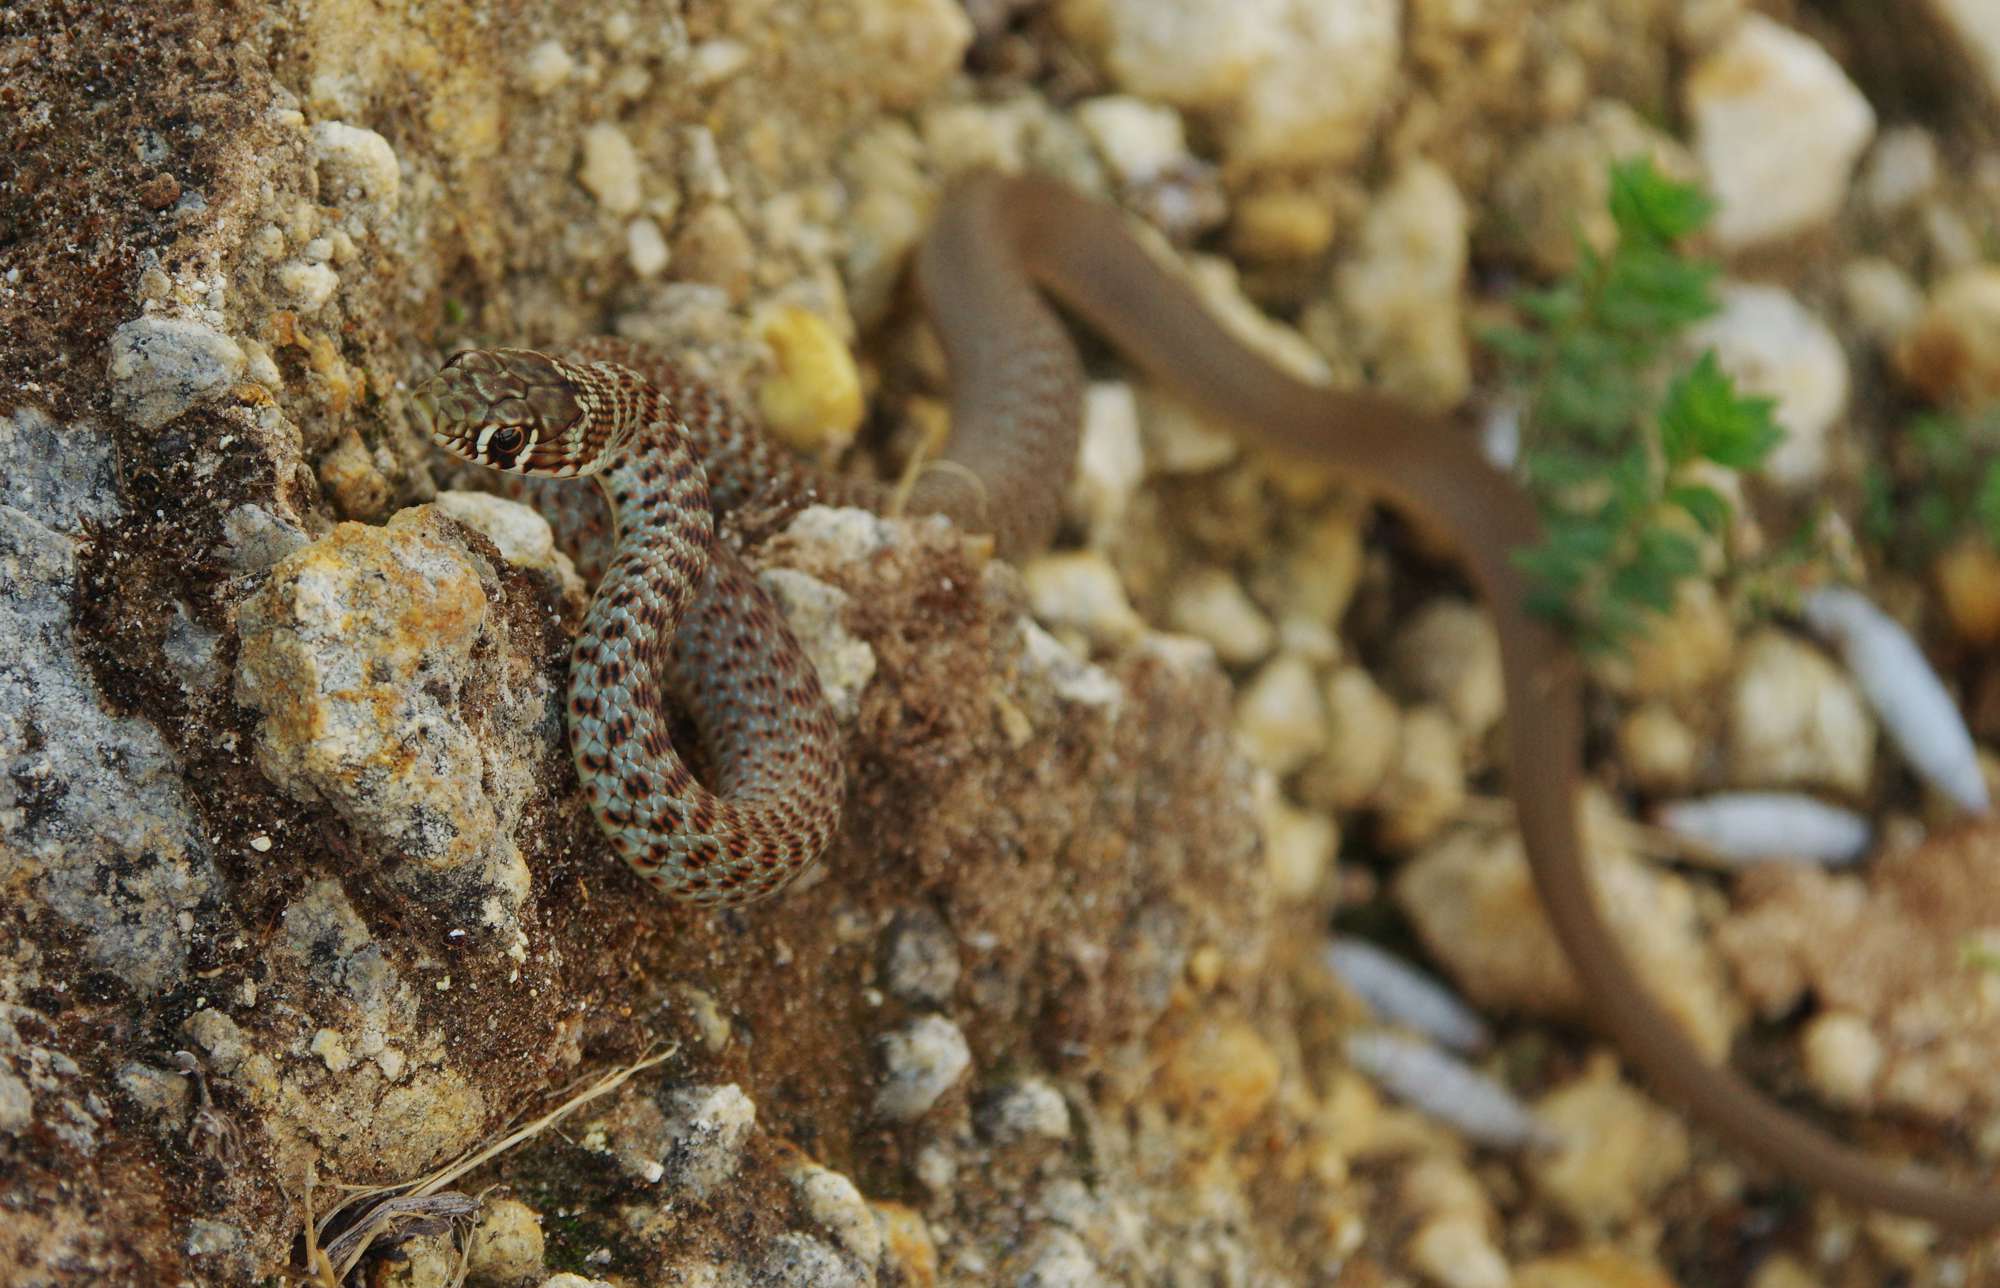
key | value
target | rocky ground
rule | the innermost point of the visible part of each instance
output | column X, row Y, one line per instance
column 299, row 894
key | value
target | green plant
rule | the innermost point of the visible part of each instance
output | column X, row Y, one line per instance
column 1940, row 478
column 1613, row 453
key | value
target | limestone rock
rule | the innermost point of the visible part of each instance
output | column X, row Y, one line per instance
column 1778, row 127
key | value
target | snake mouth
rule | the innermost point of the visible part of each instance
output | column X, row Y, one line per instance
column 423, row 406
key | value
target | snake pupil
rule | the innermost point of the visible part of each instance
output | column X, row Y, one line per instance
column 505, row 441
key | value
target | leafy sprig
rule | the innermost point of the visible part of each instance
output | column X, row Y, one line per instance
column 1614, row 455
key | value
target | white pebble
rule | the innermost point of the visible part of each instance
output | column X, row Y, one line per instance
column 310, row 285
column 1280, row 716
column 1081, row 590
column 1447, row 1089
column 1778, row 126
column 1879, row 297
column 707, row 1129
column 1448, row 653
column 713, row 61
column 645, row 248
column 1907, row 695
column 1109, row 460
column 17, row 1104
column 1749, row 827
column 521, row 533
column 1299, row 846
column 547, row 66
column 355, row 165
column 1210, row 604
column 1843, row 1057
column 1902, row 169
column 1139, row 140
column 921, row 1063
column 836, row 1206
column 1179, row 439
column 1030, row 1109
column 1454, row 1251
column 1399, row 993
column 610, row 168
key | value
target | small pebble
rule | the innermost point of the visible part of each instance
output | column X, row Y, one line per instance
column 610, row 169
column 920, row 958
column 920, row 1063
column 1778, row 126
column 1748, row 827
column 1456, row 1252
column 1110, row 461
column 1299, row 846
column 1399, row 993
column 1796, row 721
column 546, row 67
column 1364, row 728
column 1080, row 590
column 1447, row 1089
column 1210, row 604
column 833, row 1203
column 646, row 248
column 1881, row 300
column 506, row 1245
column 1448, row 653
column 813, row 402
column 1425, row 785
column 1280, row 717
column 1919, row 715
column 1842, row 1057
column 1028, row 1110
column 707, row 1128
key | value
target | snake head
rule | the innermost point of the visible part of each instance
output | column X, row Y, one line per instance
column 507, row 409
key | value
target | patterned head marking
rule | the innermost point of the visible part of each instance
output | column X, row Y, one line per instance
column 514, row 410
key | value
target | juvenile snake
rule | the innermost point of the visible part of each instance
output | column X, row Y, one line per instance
column 649, row 436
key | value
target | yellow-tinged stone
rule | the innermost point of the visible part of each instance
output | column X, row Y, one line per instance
column 906, row 1244
column 1282, row 224
column 1221, row 1073
column 348, row 474
column 1621, row 1148
column 1593, row 1268
column 814, row 401
column 507, row 1244
column 1968, row 580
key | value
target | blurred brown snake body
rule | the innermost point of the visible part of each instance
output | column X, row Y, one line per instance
column 997, row 240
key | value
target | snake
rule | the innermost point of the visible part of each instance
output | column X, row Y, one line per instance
column 677, row 614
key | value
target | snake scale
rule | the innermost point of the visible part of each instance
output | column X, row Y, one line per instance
column 677, row 612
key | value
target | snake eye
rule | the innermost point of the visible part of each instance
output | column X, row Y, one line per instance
column 505, row 442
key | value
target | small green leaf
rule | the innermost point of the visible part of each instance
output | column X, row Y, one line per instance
column 1986, row 505
column 1553, row 307
column 1704, row 418
column 1941, row 442
column 1937, row 517
column 1648, row 206
column 1514, row 344
column 1706, row 506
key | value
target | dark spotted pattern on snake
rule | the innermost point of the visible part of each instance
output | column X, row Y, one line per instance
column 650, row 437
